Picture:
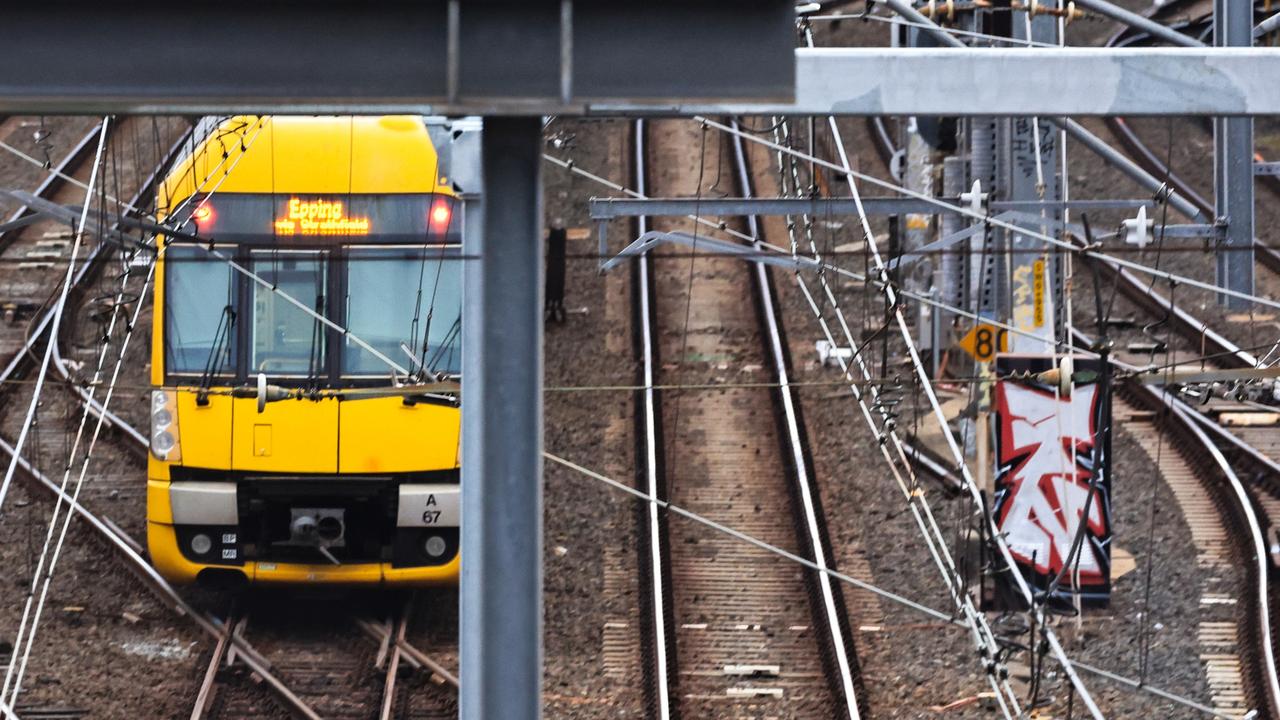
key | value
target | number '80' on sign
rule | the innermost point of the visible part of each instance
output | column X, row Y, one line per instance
column 984, row 341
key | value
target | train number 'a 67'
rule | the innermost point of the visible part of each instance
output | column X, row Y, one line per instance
column 429, row 506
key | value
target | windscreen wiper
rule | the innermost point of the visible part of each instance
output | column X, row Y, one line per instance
column 221, row 347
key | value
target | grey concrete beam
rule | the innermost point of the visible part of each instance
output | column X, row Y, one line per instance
column 1063, row 81
column 1008, row 81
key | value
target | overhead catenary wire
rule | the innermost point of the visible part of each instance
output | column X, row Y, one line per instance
column 763, row 248
column 886, row 431
column 56, row 322
column 906, row 602
column 926, row 384
column 803, row 480
column 996, row 221
column 766, row 249
column 24, row 640
column 58, row 312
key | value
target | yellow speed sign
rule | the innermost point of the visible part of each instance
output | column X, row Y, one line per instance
column 983, row 341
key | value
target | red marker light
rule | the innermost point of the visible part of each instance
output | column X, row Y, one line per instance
column 441, row 213
column 203, row 216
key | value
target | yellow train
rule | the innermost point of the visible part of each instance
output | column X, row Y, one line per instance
column 353, row 219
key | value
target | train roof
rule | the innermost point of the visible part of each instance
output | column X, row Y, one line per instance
column 308, row 154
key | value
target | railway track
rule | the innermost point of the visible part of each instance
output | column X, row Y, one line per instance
column 1240, row 646
column 1237, row 617
column 344, row 664
column 1219, row 631
column 734, row 633
column 125, row 547
column 1227, row 489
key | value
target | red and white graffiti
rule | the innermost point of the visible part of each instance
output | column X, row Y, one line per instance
column 1043, row 486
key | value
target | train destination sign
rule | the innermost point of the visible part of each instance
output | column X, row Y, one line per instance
column 319, row 217
column 285, row 219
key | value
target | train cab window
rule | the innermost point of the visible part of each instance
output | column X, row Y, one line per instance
column 199, row 320
column 284, row 340
column 394, row 297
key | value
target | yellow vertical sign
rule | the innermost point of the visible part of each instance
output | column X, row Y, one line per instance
column 1037, row 293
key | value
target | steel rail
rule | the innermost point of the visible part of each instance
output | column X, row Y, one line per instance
column 1037, row 614
column 122, row 543
column 834, row 610
column 1189, row 326
column 161, row 587
column 1185, row 320
column 653, row 500
column 53, row 181
column 412, row 654
column 985, row 642
column 1252, row 542
column 396, row 633
column 95, row 407
column 655, row 528
column 1187, row 425
column 205, row 696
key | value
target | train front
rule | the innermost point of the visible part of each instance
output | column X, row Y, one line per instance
column 315, row 256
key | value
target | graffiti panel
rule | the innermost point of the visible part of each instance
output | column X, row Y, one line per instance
column 1052, row 498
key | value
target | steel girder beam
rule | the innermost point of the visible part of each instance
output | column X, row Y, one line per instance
column 1028, row 168
column 512, row 57
column 54, row 74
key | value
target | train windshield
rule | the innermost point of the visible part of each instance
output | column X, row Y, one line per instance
column 200, row 295
column 396, row 297
column 285, row 339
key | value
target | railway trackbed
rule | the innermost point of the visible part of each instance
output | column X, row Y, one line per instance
column 741, row 633
column 343, row 655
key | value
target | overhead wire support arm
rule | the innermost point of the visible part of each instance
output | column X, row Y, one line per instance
column 1037, row 614
column 1136, row 21
column 993, row 220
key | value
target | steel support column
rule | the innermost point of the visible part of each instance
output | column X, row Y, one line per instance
column 1029, row 168
column 1233, row 166
column 500, row 634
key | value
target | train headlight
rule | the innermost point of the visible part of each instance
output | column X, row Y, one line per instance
column 435, row 546
column 201, row 543
column 164, row 425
